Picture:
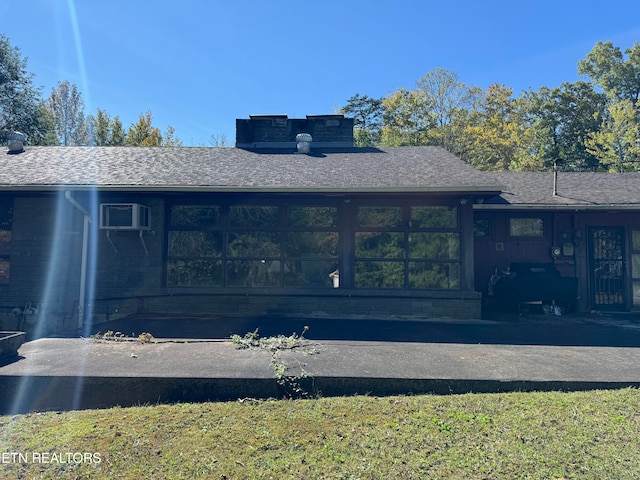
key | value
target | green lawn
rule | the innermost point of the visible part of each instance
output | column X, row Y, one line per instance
column 520, row 435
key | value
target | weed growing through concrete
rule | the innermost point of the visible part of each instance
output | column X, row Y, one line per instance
column 273, row 344
column 300, row 385
column 110, row 335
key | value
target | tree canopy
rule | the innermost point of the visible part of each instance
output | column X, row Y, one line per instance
column 67, row 108
column 21, row 107
column 592, row 124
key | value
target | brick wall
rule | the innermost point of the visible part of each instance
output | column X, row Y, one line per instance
column 338, row 306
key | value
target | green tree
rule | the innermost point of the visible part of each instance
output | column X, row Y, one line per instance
column 617, row 144
column 560, row 120
column 67, row 107
column 607, row 68
column 367, row 119
column 496, row 131
column 407, row 118
column 447, row 97
column 102, row 128
column 169, row 138
column 21, row 107
column 143, row 133
column 44, row 131
column 118, row 135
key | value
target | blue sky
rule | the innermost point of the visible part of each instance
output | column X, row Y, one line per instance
column 200, row 64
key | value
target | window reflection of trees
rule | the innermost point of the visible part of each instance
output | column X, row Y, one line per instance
column 434, row 216
column 380, row 245
column 322, row 217
column 434, row 245
column 415, row 247
column 253, row 273
column 429, row 275
column 376, row 274
column 196, row 216
column 311, row 246
column 379, row 217
column 254, row 244
column 254, row 216
column 423, row 239
column 186, row 243
column 251, row 246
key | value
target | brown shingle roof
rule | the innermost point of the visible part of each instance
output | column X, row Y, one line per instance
column 210, row 169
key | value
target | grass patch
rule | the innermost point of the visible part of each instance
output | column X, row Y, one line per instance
column 517, row 435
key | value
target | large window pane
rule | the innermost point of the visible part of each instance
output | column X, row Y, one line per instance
column 635, row 234
column 253, row 216
column 254, row 244
column 635, row 265
column 316, row 217
column 434, row 216
column 189, row 243
column 192, row 273
column 253, row 273
column 379, row 274
column 636, row 292
column 427, row 275
column 380, row 245
column 379, row 217
column 302, row 273
column 195, row 216
column 441, row 245
column 311, row 244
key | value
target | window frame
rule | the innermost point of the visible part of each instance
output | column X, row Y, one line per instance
column 281, row 229
column 543, row 224
column 407, row 261
column 342, row 221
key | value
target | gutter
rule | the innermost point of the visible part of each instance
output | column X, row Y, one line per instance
column 488, row 190
column 565, row 207
column 83, row 265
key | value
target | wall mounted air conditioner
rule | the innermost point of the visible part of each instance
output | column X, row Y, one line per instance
column 124, row 216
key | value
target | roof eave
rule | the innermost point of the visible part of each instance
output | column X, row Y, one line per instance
column 548, row 207
column 479, row 190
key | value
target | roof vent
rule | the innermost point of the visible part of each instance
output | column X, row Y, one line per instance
column 16, row 141
column 303, row 142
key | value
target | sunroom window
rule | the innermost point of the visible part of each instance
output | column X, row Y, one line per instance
column 414, row 247
column 252, row 246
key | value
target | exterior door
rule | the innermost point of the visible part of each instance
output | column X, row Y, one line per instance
column 607, row 268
